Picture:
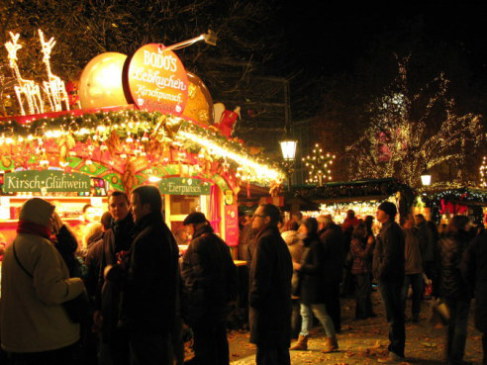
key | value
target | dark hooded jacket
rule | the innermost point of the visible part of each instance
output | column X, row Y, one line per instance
column 150, row 292
column 333, row 241
column 452, row 249
column 474, row 270
column 209, row 278
column 270, row 290
column 389, row 261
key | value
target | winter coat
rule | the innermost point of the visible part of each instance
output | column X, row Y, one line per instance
column 360, row 252
column 106, row 293
column 428, row 240
column 209, row 278
column 452, row 249
column 295, row 245
column 474, row 271
column 32, row 318
column 311, row 282
column 333, row 242
column 270, row 290
column 414, row 260
column 151, row 288
column 388, row 261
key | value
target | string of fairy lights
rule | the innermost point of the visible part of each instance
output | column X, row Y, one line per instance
column 483, row 173
column 318, row 166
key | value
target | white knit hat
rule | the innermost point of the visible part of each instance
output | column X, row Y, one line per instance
column 37, row 211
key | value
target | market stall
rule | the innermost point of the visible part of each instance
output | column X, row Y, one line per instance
column 362, row 196
column 440, row 202
column 143, row 120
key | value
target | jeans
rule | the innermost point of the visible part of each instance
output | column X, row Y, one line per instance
column 363, row 288
column 319, row 310
column 391, row 295
column 150, row 349
column 61, row 356
column 457, row 328
column 210, row 343
column 273, row 355
column 417, row 284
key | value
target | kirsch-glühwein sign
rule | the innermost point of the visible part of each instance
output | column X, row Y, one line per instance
column 33, row 181
column 184, row 186
column 156, row 80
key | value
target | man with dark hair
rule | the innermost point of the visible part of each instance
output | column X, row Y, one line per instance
column 210, row 285
column 106, row 294
column 270, row 289
column 148, row 308
column 388, row 267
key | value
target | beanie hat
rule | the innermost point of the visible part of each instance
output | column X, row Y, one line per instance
column 194, row 218
column 389, row 208
column 37, row 211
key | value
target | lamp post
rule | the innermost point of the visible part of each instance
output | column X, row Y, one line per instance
column 288, row 149
column 426, row 179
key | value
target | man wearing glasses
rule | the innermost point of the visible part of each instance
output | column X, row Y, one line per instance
column 270, row 289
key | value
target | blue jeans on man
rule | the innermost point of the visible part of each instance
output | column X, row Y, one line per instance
column 394, row 306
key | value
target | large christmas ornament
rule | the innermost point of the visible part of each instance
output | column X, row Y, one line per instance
column 101, row 84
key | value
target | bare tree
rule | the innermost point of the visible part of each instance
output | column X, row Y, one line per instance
column 411, row 132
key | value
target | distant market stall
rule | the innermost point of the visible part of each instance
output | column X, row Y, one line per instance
column 440, row 202
column 362, row 196
column 143, row 120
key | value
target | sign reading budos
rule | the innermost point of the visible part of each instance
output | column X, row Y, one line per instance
column 157, row 80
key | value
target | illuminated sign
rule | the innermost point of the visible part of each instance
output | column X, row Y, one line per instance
column 184, row 186
column 45, row 181
column 156, row 80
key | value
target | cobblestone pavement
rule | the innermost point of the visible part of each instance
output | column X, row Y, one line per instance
column 364, row 341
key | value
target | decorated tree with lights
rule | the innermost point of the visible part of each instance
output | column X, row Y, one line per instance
column 413, row 131
column 318, row 165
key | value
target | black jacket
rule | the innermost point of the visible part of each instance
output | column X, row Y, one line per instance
column 209, row 278
column 474, row 270
column 312, row 288
column 333, row 241
column 151, row 287
column 388, row 261
column 452, row 249
column 270, row 290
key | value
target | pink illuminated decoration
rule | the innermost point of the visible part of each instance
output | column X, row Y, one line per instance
column 156, row 80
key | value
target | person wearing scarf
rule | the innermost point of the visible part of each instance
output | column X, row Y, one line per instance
column 34, row 327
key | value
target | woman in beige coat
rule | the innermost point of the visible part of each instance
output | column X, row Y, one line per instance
column 34, row 327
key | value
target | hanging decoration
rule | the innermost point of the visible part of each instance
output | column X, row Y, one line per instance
column 318, row 166
column 28, row 92
column 54, row 87
column 483, row 173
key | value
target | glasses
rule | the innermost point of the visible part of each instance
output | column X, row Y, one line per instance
column 259, row 215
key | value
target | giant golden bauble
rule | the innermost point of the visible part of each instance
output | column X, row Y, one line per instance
column 100, row 84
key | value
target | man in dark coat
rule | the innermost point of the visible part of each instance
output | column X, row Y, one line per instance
column 150, row 292
column 271, row 270
column 210, row 285
column 474, row 271
column 388, row 266
column 106, row 294
column 333, row 241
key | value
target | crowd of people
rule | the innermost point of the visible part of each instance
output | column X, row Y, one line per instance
column 134, row 299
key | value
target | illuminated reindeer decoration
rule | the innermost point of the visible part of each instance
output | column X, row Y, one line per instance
column 27, row 89
column 54, row 88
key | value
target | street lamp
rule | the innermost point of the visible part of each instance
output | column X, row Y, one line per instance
column 426, row 179
column 288, row 149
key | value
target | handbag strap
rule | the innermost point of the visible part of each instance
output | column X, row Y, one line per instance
column 20, row 264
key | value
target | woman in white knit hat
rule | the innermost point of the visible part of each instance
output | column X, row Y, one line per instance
column 34, row 327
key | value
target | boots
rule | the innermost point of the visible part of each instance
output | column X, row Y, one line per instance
column 302, row 343
column 331, row 344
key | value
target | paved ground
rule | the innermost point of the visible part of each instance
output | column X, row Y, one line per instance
column 363, row 342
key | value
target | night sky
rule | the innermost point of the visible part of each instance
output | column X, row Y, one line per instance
column 329, row 38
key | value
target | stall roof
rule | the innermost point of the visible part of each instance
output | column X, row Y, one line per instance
column 372, row 189
column 456, row 193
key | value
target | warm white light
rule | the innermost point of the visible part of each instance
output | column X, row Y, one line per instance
column 426, row 180
column 288, row 148
column 154, row 179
